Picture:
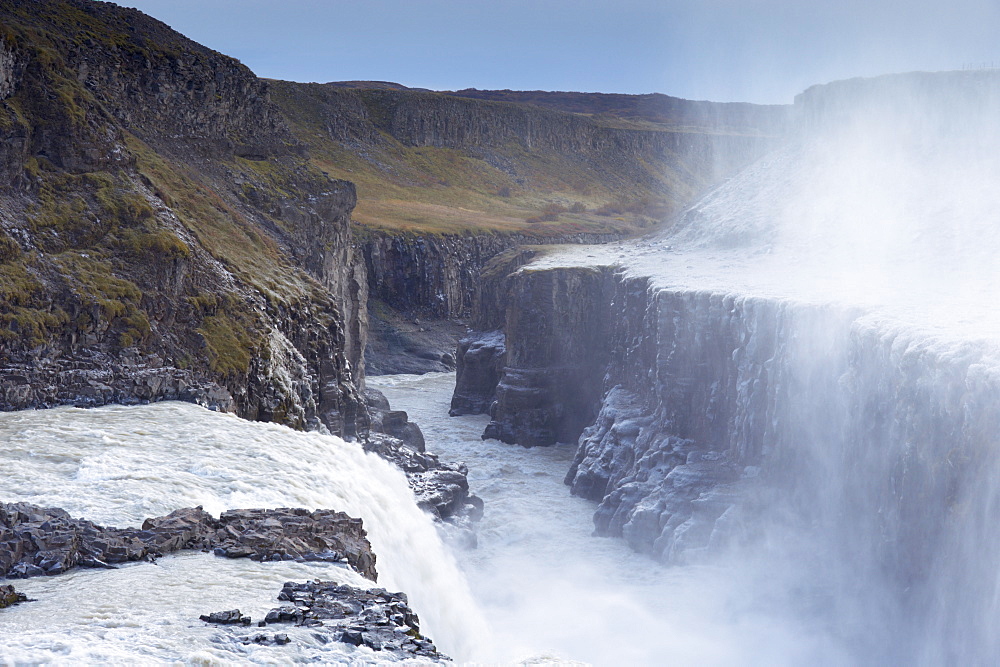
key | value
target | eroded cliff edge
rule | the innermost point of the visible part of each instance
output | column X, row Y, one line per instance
column 697, row 409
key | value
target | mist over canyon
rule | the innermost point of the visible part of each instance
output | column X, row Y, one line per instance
column 602, row 378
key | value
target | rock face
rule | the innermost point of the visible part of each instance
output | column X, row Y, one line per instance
column 437, row 276
column 431, row 280
column 552, row 376
column 650, row 390
column 417, row 118
column 480, row 365
column 39, row 541
column 162, row 233
column 375, row 618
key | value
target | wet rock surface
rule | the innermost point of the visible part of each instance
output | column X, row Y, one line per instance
column 666, row 496
column 440, row 488
column 36, row 541
column 329, row 612
column 9, row 596
column 480, row 359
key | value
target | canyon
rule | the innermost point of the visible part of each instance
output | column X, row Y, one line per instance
column 761, row 329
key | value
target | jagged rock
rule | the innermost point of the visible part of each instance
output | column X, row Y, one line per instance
column 37, row 541
column 232, row 617
column 479, row 367
column 440, row 488
column 391, row 422
column 374, row 618
column 295, row 534
column 9, row 596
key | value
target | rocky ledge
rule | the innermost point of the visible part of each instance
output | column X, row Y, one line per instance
column 328, row 611
column 440, row 488
column 36, row 541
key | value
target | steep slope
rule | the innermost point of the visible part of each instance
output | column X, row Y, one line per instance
column 163, row 234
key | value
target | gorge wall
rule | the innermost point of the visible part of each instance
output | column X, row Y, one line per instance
column 169, row 227
column 708, row 421
column 162, row 234
column 748, row 404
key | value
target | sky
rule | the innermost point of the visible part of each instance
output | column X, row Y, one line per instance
column 763, row 51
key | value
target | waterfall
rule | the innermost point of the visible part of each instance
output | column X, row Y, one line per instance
column 118, row 465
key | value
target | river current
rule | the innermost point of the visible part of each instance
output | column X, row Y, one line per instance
column 538, row 589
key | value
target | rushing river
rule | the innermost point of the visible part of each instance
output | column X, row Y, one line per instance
column 539, row 587
column 117, row 465
column 551, row 591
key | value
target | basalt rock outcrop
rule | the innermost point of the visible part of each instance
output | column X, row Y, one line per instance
column 430, row 281
column 331, row 612
column 552, row 377
column 36, row 541
column 481, row 357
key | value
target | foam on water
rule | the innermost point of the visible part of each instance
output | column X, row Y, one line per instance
column 552, row 591
column 118, row 465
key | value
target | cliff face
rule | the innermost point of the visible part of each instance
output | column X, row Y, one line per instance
column 162, row 234
column 504, row 135
column 697, row 409
column 551, row 376
column 448, row 182
column 438, row 276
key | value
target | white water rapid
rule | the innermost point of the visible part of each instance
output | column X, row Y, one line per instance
column 550, row 591
column 118, row 465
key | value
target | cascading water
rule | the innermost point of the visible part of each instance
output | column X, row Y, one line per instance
column 803, row 421
column 816, row 378
column 119, row 465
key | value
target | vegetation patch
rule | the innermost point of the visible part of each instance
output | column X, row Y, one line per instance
column 230, row 340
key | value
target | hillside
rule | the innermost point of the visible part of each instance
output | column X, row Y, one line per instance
column 499, row 161
column 172, row 226
column 161, row 232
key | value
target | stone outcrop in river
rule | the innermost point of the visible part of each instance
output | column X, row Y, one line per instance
column 328, row 611
column 36, row 541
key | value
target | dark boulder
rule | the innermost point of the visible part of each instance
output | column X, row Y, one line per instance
column 9, row 597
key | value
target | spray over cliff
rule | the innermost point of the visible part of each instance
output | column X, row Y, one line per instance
column 799, row 381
